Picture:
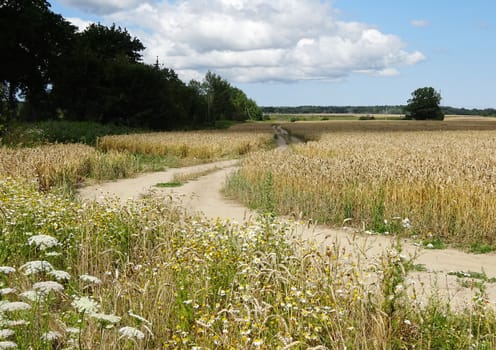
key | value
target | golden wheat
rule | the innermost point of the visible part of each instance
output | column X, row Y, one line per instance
column 202, row 145
column 444, row 182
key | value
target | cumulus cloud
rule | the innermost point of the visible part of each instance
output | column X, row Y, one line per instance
column 259, row 40
column 420, row 23
column 102, row 7
column 79, row 23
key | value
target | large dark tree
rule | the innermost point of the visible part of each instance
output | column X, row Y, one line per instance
column 424, row 104
column 32, row 38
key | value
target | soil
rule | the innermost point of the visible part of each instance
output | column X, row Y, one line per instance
column 203, row 196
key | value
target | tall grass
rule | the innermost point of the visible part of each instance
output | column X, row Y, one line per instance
column 444, row 182
column 64, row 166
column 184, row 282
column 199, row 145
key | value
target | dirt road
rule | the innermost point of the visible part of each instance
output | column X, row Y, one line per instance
column 204, row 196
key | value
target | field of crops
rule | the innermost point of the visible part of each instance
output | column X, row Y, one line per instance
column 207, row 145
column 444, row 182
column 144, row 275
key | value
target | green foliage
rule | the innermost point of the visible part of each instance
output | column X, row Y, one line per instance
column 59, row 131
column 424, row 104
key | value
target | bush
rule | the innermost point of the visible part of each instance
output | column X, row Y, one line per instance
column 34, row 134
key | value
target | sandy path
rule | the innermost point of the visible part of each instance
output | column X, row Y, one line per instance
column 204, row 196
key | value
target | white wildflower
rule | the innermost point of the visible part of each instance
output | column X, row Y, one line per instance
column 43, row 242
column 407, row 322
column 36, row 266
column 6, row 291
column 7, row 269
column 51, row 336
column 90, row 279
column 258, row 343
column 60, row 275
column 53, row 254
column 5, row 333
column 139, row 318
column 15, row 323
column 7, row 345
column 106, row 317
column 14, row 306
column 85, row 304
column 48, row 286
column 131, row 332
column 406, row 223
column 73, row 330
column 430, row 246
column 33, row 296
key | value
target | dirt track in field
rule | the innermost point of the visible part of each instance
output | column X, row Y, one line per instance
column 204, row 196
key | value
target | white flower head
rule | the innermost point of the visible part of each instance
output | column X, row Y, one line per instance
column 406, row 223
column 106, row 318
column 7, row 345
column 60, row 275
column 85, row 304
column 36, row 266
column 51, row 336
column 14, row 306
column 5, row 333
column 43, row 242
column 131, row 333
column 7, row 270
column 48, row 286
column 6, row 291
column 90, row 279
column 34, row 296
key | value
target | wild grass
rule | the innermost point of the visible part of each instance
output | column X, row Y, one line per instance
column 443, row 182
column 144, row 275
column 64, row 166
column 200, row 145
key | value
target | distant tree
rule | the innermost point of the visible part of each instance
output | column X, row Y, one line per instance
column 424, row 104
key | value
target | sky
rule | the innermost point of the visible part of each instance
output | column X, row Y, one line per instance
column 316, row 52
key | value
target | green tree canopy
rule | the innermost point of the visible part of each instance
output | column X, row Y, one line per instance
column 32, row 37
column 424, row 104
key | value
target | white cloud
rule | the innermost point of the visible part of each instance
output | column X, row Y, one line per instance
column 102, row 7
column 259, row 40
column 420, row 23
column 80, row 23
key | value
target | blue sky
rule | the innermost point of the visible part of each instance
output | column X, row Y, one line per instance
column 316, row 52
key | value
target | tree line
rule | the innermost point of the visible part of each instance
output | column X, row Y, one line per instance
column 383, row 109
column 50, row 70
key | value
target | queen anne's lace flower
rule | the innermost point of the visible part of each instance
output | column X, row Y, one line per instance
column 60, row 275
column 5, row 333
column 14, row 306
column 85, row 304
column 7, row 345
column 43, row 242
column 106, row 317
column 48, row 286
column 36, row 266
column 131, row 333
column 90, row 279
column 7, row 269
column 51, row 336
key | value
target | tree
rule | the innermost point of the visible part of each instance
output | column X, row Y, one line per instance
column 31, row 39
column 424, row 104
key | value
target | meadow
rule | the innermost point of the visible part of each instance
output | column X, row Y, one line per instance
column 145, row 275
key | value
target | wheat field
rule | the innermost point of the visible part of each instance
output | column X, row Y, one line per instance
column 444, row 182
